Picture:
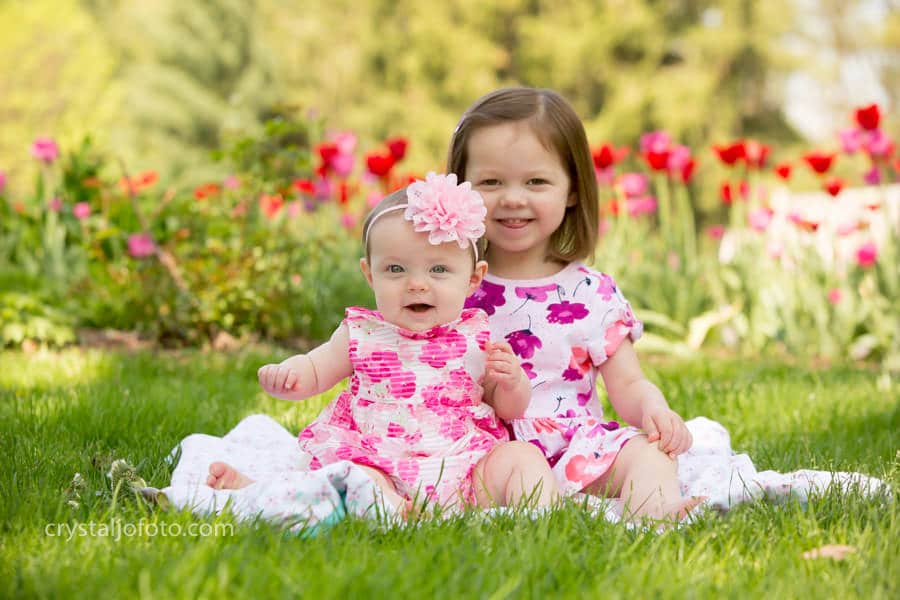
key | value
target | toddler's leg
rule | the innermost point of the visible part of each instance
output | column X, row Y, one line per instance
column 223, row 476
column 513, row 472
column 647, row 481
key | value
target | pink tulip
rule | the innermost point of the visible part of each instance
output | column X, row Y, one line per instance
column 760, row 218
column 867, row 254
column 45, row 149
column 82, row 211
column 373, row 199
column 872, row 176
column 323, row 189
column 645, row 205
column 851, row 141
column 834, row 295
column 633, row 184
column 878, row 144
column 2, row 181
column 846, row 228
column 715, row 231
column 348, row 220
column 655, row 141
column 55, row 204
column 141, row 245
column 231, row 182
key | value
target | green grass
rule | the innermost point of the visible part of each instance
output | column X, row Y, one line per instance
column 75, row 411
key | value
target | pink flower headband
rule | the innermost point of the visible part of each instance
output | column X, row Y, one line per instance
column 448, row 211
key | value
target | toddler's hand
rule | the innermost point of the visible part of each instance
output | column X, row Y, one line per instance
column 665, row 426
column 503, row 365
column 277, row 379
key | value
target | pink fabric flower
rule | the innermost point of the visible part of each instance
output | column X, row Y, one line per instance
column 45, row 149
column 447, row 211
column 439, row 352
column 538, row 293
column 867, row 254
column 81, row 210
column 141, row 245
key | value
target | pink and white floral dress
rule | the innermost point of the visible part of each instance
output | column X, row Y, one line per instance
column 413, row 408
column 562, row 328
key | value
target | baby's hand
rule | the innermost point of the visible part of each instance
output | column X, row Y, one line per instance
column 277, row 379
column 503, row 365
column 665, row 426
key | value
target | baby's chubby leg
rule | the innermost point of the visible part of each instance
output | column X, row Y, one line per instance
column 513, row 472
column 646, row 479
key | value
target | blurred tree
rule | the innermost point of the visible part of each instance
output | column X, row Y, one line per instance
column 57, row 80
column 193, row 72
column 700, row 69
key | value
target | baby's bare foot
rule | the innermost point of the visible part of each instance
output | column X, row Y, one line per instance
column 223, row 476
column 682, row 508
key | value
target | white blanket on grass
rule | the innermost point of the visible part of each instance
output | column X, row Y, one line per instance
column 286, row 491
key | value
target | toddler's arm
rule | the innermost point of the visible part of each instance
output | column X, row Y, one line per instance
column 305, row 375
column 641, row 403
column 506, row 387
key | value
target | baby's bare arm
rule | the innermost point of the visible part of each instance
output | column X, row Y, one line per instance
column 506, row 388
column 305, row 375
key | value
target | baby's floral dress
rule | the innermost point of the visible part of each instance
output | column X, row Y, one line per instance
column 562, row 328
column 413, row 408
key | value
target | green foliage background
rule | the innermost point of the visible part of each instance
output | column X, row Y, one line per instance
column 162, row 82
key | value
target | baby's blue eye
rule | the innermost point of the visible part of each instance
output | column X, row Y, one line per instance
column 439, row 269
column 395, row 269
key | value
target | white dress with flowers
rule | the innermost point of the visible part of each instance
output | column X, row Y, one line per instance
column 562, row 328
column 414, row 407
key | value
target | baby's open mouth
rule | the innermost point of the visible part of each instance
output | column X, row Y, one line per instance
column 419, row 307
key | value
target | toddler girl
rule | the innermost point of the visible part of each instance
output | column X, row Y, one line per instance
column 426, row 383
column 526, row 152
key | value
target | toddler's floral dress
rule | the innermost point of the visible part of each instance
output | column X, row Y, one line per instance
column 562, row 328
column 413, row 408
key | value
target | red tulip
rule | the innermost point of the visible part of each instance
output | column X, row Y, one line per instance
column 380, row 164
column 206, row 190
column 687, row 171
column 725, row 193
column 756, row 153
column 868, row 116
column 270, row 205
column 732, row 153
column 397, row 146
column 784, row 171
column 657, row 160
column 820, row 162
column 327, row 151
column 304, row 186
column 606, row 156
column 834, row 186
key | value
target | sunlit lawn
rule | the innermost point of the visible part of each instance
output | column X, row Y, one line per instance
column 75, row 411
